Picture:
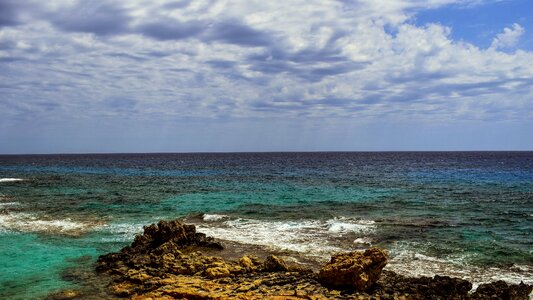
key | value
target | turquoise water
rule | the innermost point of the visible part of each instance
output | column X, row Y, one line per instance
column 463, row 214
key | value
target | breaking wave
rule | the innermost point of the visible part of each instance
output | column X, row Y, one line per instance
column 318, row 238
column 406, row 261
column 213, row 217
column 26, row 222
column 121, row 232
column 11, row 179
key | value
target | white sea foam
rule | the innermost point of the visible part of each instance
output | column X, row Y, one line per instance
column 411, row 263
column 312, row 237
column 10, row 179
column 26, row 222
column 8, row 204
column 319, row 239
column 213, row 217
column 363, row 240
column 344, row 225
column 122, row 232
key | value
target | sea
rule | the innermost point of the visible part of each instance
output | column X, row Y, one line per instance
column 462, row 214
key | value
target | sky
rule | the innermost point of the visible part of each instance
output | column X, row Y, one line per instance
column 247, row 75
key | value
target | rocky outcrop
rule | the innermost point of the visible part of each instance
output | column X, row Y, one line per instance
column 170, row 261
column 274, row 264
column 502, row 290
column 437, row 287
column 165, row 261
column 354, row 270
column 158, row 246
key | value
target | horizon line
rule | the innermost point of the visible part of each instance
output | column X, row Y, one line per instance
column 259, row 152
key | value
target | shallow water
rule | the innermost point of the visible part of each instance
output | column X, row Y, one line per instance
column 463, row 214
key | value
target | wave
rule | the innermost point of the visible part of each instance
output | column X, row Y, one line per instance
column 10, row 179
column 363, row 241
column 406, row 261
column 121, row 232
column 26, row 222
column 318, row 238
column 343, row 225
column 8, row 204
column 213, row 217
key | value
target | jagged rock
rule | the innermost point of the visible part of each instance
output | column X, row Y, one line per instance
column 247, row 263
column 181, row 235
column 169, row 261
column 274, row 264
column 438, row 287
column 354, row 270
column 502, row 290
column 124, row 289
column 445, row 287
column 218, row 271
column 166, row 238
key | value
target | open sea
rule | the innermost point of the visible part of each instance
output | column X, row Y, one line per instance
column 463, row 214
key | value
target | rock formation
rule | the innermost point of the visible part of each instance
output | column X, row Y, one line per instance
column 354, row 270
column 169, row 261
column 502, row 290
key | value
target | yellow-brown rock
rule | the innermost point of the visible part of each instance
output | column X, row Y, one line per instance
column 354, row 270
column 246, row 263
column 123, row 289
column 166, row 263
column 274, row 264
column 217, row 272
column 64, row 295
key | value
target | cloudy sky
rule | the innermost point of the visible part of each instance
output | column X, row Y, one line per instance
column 246, row 75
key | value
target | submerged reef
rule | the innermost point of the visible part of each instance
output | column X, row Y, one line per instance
column 170, row 260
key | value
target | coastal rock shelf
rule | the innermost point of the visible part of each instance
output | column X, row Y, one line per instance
column 171, row 260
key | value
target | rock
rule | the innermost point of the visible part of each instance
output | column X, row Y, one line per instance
column 138, row 277
column 299, row 268
column 123, row 289
column 520, row 291
column 217, row 272
column 354, row 270
column 501, row 290
column 448, row 287
column 169, row 260
column 189, row 293
column 181, row 235
column 247, row 263
column 64, row 295
column 438, row 287
column 236, row 269
column 158, row 297
column 274, row 264
column 159, row 242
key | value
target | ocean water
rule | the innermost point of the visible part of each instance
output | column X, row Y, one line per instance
column 464, row 214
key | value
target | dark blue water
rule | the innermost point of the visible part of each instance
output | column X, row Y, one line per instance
column 466, row 214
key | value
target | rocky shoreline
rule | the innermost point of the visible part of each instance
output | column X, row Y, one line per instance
column 170, row 260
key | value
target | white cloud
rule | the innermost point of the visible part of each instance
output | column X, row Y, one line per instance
column 508, row 38
column 295, row 59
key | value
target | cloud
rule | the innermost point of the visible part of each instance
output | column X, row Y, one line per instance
column 235, row 32
column 230, row 31
column 170, row 29
column 9, row 10
column 177, row 4
column 221, row 64
column 508, row 38
column 257, row 59
column 120, row 104
column 98, row 17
